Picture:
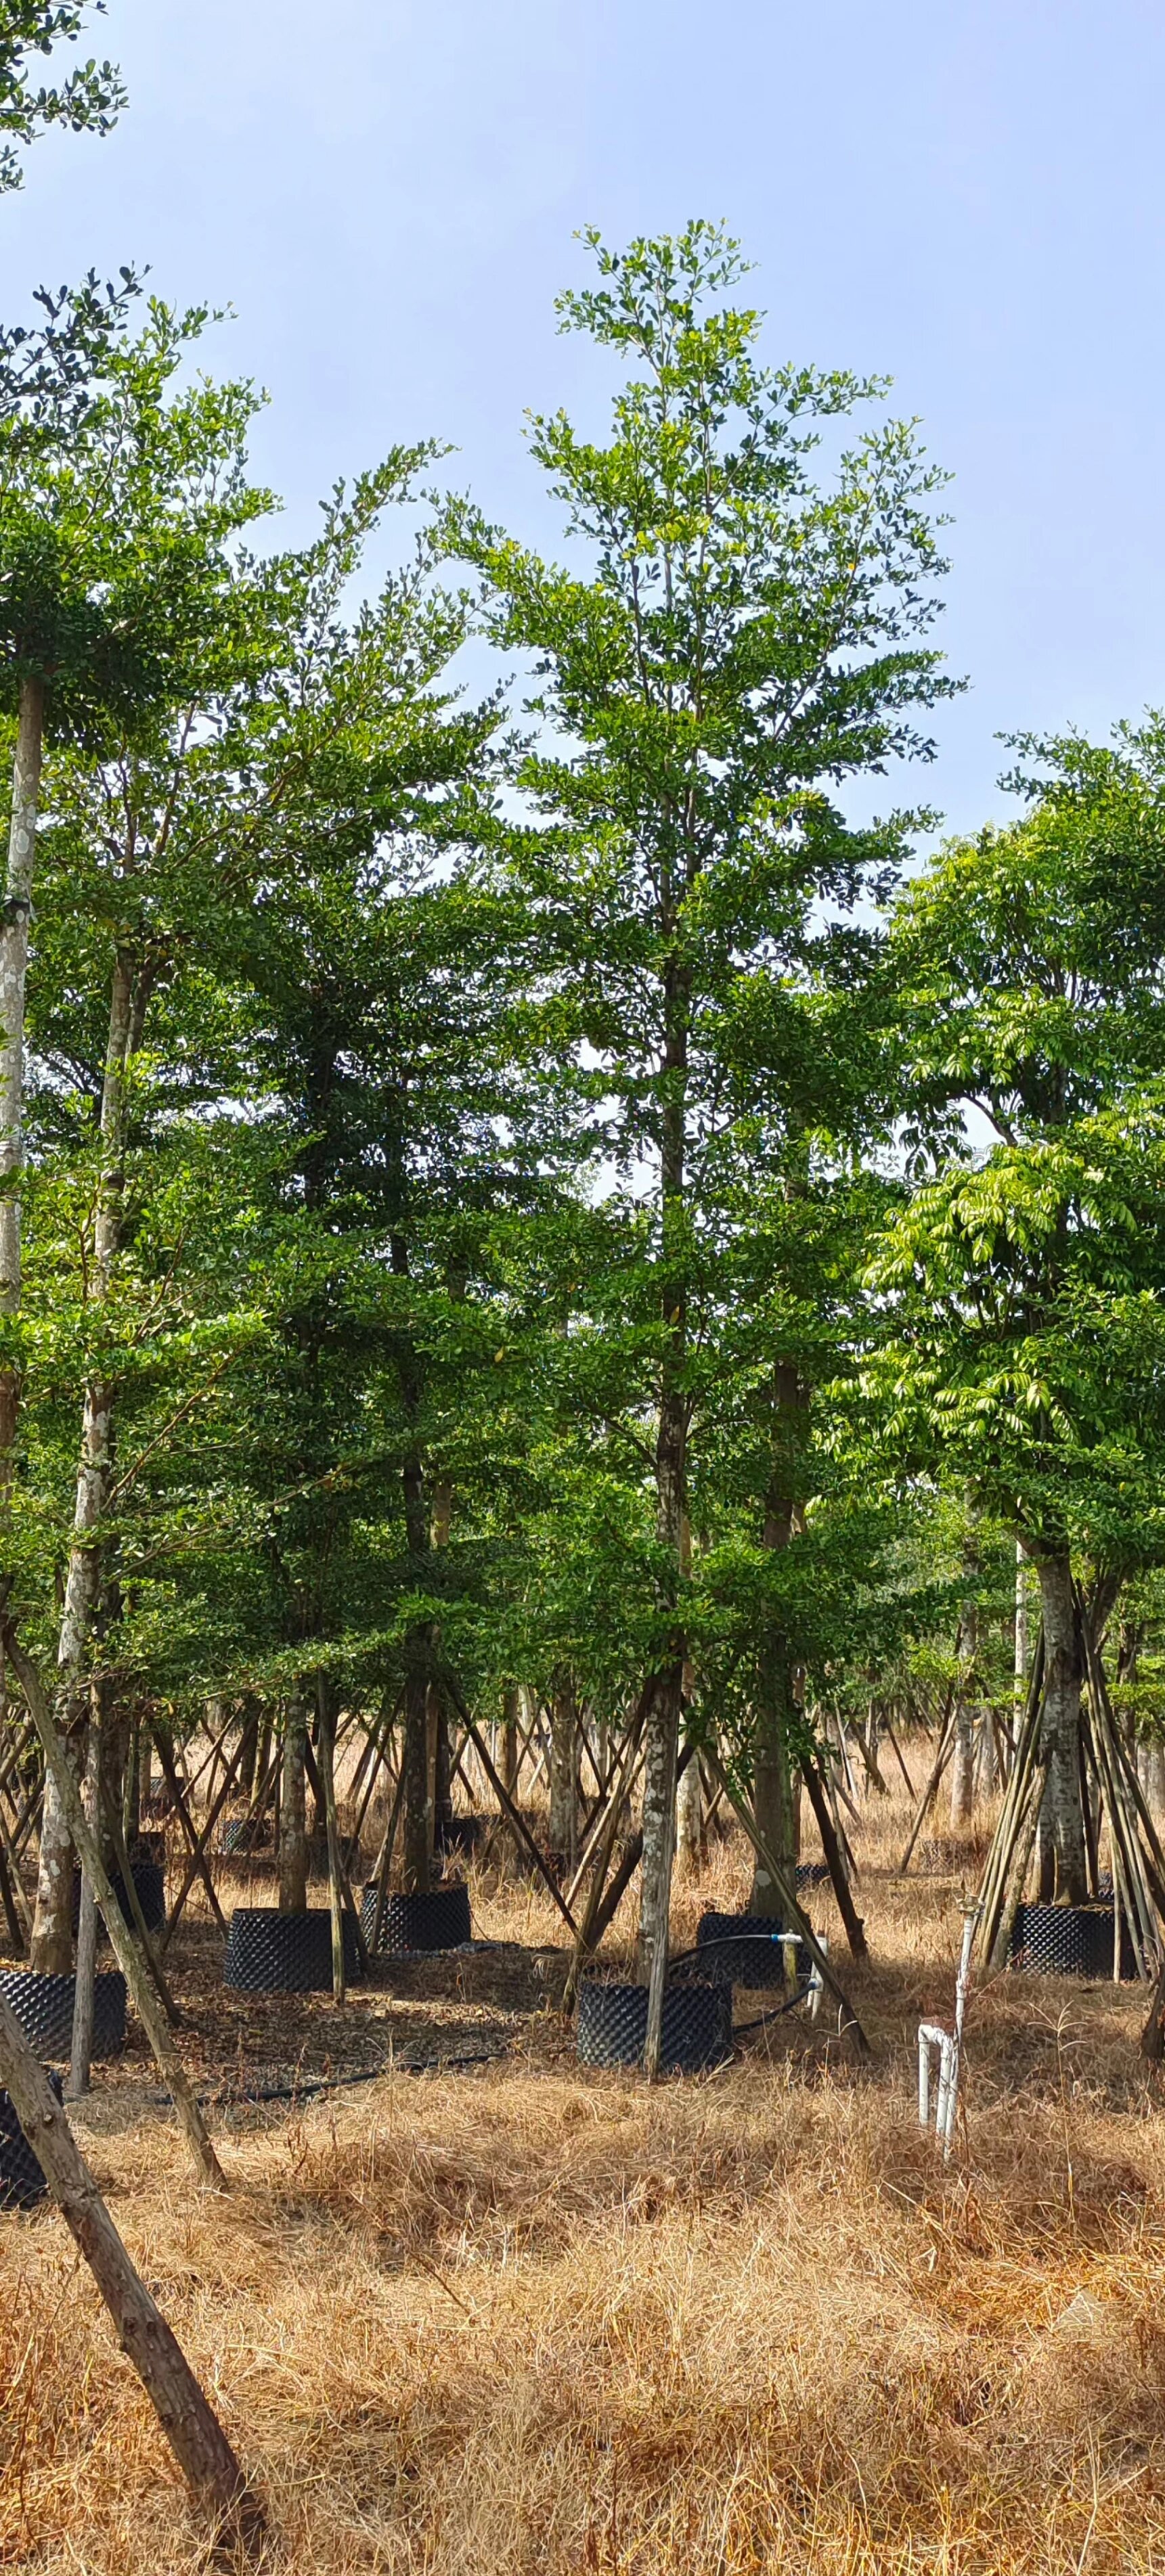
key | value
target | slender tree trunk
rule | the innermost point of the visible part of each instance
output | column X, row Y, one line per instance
column 51, row 1929
column 192, row 2429
column 13, row 976
column 963, row 1763
column 1063, row 1863
column 81, row 2052
column 774, row 1804
column 665, row 1705
column 564, row 1769
column 1155, row 1787
column 418, row 1812
column 293, row 1809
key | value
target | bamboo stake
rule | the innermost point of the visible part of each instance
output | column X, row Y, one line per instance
column 165, row 1749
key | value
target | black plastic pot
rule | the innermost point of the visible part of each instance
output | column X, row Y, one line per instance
column 813, row 1873
column 317, row 1854
column 462, row 1833
column 697, row 2024
column 438, row 1921
column 44, row 2009
column 1069, row 1941
column 291, row 1954
column 149, row 1878
column 752, row 1958
column 22, row 2184
column 240, row 1835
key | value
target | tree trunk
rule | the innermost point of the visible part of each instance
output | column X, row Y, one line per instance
column 418, row 1812
column 293, row 1809
column 51, row 1930
column 81, row 2051
column 1156, row 1777
column 327, row 1755
column 772, row 1798
column 14, row 924
column 1063, row 1863
column 564, row 1770
column 196, row 2437
column 666, row 1702
column 963, row 1762
column 691, row 1843
column 51, row 1948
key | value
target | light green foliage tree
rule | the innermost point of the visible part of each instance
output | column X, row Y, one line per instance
column 738, row 637
column 1024, row 1276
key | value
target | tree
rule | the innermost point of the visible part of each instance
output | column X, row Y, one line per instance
column 87, row 101
column 1024, row 1275
column 745, row 638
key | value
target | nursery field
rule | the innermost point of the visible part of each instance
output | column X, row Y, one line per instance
column 503, row 2315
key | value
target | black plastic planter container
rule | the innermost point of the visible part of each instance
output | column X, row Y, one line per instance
column 697, row 2025
column 149, row 1878
column 462, row 1833
column 270, row 1953
column 22, row 2184
column 1069, row 1941
column 752, row 1958
column 44, row 2009
column 438, row 1921
column 239, row 1836
column 813, row 1873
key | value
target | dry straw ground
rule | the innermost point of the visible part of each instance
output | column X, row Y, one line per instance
column 523, row 2319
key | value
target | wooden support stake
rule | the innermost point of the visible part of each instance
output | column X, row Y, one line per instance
column 212, row 2472
column 854, row 1929
column 507, row 1803
column 796, row 1920
column 126, row 1951
column 165, row 1750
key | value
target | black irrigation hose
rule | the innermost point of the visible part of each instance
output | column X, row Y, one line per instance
column 215, row 2100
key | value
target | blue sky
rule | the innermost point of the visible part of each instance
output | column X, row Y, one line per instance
column 968, row 197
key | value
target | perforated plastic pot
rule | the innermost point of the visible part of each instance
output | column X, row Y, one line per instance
column 438, row 1921
column 242, row 1834
column 44, row 2009
column 462, row 1833
column 149, row 1878
column 22, row 2183
column 697, row 2025
column 813, row 1873
column 1069, row 1941
column 757, row 1960
column 290, row 1954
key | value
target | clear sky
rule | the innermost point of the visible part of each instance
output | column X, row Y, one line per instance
column 966, row 194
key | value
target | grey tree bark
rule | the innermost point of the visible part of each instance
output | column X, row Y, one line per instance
column 664, row 1709
column 963, row 1760
column 81, row 2051
column 563, row 1823
column 293, row 1808
column 51, row 1940
column 774, row 1806
column 14, row 928
column 1062, row 1861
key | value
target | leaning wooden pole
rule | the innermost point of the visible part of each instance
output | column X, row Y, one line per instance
column 125, row 1947
column 216, row 2481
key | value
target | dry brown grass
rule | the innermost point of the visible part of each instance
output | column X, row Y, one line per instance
column 529, row 2320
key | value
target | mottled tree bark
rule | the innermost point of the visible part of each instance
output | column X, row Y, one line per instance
column 1062, row 1860
column 293, row 1809
column 665, row 1706
column 418, row 1811
column 14, row 926
column 564, row 1769
column 774, row 1805
column 963, row 1758
column 51, row 1940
